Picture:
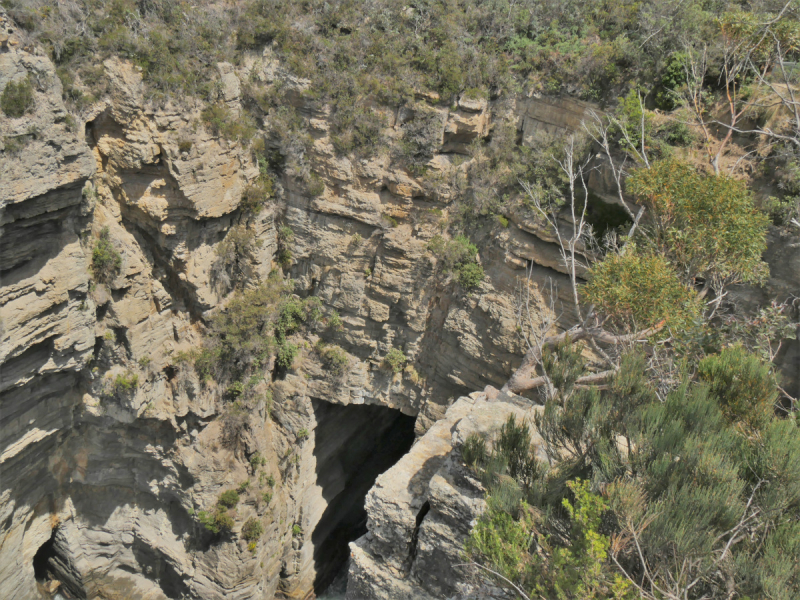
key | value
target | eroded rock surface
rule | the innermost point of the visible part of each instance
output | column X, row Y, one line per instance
column 101, row 484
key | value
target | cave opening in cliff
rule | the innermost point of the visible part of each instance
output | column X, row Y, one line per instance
column 52, row 563
column 353, row 445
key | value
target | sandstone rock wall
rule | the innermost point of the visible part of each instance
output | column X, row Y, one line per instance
column 111, row 480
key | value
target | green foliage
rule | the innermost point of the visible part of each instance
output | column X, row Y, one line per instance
column 256, row 460
column 124, row 383
column 458, row 254
column 106, row 261
column 639, row 290
column 394, row 360
column 335, row 321
column 680, row 477
column 743, row 384
column 285, row 240
column 421, row 136
column 355, row 129
column 336, row 360
column 243, row 487
column 217, row 522
column 297, row 530
column 234, row 254
column 232, row 127
column 17, row 98
column 469, row 275
column 252, row 529
column 474, row 451
column 287, row 353
column 706, row 225
column 229, row 499
column 257, row 194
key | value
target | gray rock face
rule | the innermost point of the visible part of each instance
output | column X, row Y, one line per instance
column 421, row 510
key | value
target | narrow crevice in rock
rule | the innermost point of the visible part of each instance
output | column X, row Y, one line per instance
column 353, row 445
column 415, row 536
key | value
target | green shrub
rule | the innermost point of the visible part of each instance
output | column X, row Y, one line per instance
column 229, row 498
column 336, row 360
column 469, row 275
column 335, row 321
column 297, row 530
column 287, row 353
column 743, row 383
column 17, row 98
column 124, row 383
column 243, row 487
column 222, row 122
column 217, row 522
column 257, row 194
column 252, row 529
column 256, row 460
column 315, row 185
column 707, row 225
column 270, row 481
column 106, row 261
column 394, row 360
column 474, row 451
column 640, row 290
column 184, row 146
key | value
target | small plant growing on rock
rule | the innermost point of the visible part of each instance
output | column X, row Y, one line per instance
column 356, row 240
column 287, row 352
column 106, row 261
column 469, row 275
column 229, row 498
column 256, row 460
column 252, row 529
column 243, row 487
column 394, row 360
column 335, row 359
column 335, row 321
column 17, row 98
column 302, row 434
column 125, row 382
column 297, row 530
column 217, row 522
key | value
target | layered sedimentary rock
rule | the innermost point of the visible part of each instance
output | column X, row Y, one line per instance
column 421, row 510
column 101, row 484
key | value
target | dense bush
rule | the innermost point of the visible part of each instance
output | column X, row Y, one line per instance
column 394, row 360
column 335, row 359
column 217, row 522
column 252, row 529
column 458, row 254
column 229, row 499
column 106, row 261
column 707, row 225
column 639, row 290
column 649, row 492
column 17, row 98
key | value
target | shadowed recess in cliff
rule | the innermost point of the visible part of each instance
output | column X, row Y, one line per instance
column 353, row 445
column 53, row 563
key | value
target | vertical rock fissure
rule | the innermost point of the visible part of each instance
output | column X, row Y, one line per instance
column 412, row 554
column 353, row 446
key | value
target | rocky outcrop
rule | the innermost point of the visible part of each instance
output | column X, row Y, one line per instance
column 421, row 510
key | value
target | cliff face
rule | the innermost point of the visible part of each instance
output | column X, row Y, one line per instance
column 101, row 484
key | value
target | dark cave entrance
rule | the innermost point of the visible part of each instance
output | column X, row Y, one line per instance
column 353, row 445
column 53, row 562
